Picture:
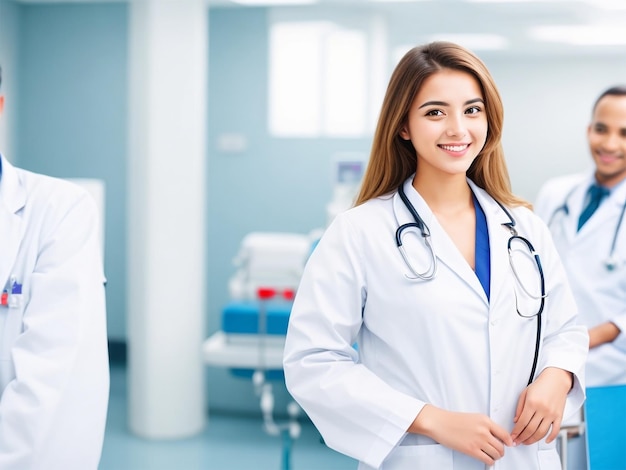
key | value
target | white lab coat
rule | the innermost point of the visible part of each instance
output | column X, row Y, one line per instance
column 438, row 342
column 54, row 377
column 599, row 293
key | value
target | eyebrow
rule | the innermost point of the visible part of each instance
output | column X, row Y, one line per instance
column 606, row 126
column 443, row 103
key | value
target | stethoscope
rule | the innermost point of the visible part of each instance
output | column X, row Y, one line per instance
column 611, row 262
column 430, row 273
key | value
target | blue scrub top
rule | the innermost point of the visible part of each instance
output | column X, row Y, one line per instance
column 482, row 252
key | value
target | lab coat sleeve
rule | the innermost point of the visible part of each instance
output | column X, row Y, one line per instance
column 620, row 321
column 53, row 413
column 356, row 412
column 565, row 341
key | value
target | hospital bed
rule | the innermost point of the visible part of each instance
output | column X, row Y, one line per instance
column 254, row 322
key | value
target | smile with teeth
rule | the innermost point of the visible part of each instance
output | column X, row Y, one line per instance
column 454, row 148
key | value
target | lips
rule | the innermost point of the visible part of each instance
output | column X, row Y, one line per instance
column 609, row 157
column 454, row 148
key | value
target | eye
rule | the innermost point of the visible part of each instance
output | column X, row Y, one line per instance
column 473, row 110
column 435, row 112
column 599, row 129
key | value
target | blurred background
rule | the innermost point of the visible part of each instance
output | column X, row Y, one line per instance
column 211, row 120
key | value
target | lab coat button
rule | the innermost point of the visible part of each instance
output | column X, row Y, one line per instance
column 494, row 322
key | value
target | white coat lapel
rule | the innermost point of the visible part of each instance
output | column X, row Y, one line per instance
column 12, row 199
column 574, row 199
column 444, row 248
column 498, row 238
column 606, row 215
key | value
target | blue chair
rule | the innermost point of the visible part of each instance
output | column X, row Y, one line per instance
column 605, row 424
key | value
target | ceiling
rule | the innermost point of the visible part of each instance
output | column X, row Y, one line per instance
column 577, row 27
column 537, row 27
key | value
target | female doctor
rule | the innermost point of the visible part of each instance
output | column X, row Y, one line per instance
column 414, row 341
column 54, row 376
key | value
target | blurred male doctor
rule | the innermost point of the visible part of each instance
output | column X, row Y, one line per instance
column 54, row 376
column 585, row 214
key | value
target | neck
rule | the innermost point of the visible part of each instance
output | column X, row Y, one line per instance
column 609, row 181
column 445, row 196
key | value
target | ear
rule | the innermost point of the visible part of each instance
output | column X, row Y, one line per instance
column 1, row 103
column 404, row 133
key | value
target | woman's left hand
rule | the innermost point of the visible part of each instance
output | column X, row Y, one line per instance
column 540, row 407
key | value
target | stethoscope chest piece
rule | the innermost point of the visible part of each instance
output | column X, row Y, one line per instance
column 611, row 263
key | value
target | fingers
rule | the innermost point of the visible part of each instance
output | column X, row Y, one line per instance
column 489, row 454
column 536, row 430
column 540, row 407
column 502, row 436
column 556, row 429
column 473, row 434
column 486, row 458
column 520, row 405
column 529, row 430
column 493, row 448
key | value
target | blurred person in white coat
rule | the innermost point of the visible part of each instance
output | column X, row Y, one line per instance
column 590, row 234
column 54, row 373
column 463, row 359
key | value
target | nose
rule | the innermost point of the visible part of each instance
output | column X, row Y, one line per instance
column 612, row 142
column 456, row 127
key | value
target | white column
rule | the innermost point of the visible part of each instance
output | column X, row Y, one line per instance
column 9, row 20
column 166, row 217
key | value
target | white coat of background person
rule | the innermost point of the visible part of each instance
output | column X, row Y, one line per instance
column 54, row 373
column 595, row 255
column 439, row 377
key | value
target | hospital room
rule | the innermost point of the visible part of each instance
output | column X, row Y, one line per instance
column 225, row 144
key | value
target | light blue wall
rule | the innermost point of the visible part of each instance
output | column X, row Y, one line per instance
column 274, row 185
column 73, row 113
column 73, row 123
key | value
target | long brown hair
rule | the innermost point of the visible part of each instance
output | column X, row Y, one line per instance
column 393, row 159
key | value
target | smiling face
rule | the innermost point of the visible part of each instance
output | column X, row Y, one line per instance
column 447, row 123
column 607, row 139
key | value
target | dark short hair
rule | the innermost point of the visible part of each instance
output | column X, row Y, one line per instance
column 618, row 90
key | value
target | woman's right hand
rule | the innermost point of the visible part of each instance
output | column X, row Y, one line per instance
column 473, row 434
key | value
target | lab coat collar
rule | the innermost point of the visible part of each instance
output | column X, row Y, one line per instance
column 573, row 199
column 12, row 200
column 606, row 215
column 444, row 248
column 12, row 193
column 499, row 235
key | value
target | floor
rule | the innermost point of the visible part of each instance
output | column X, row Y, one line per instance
column 228, row 443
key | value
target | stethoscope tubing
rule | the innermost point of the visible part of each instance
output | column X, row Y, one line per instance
column 565, row 209
column 432, row 270
column 425, row 231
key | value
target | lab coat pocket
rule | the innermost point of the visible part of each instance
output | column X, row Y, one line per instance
column 549, row 459
column 548, row 456
column 433, row 456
